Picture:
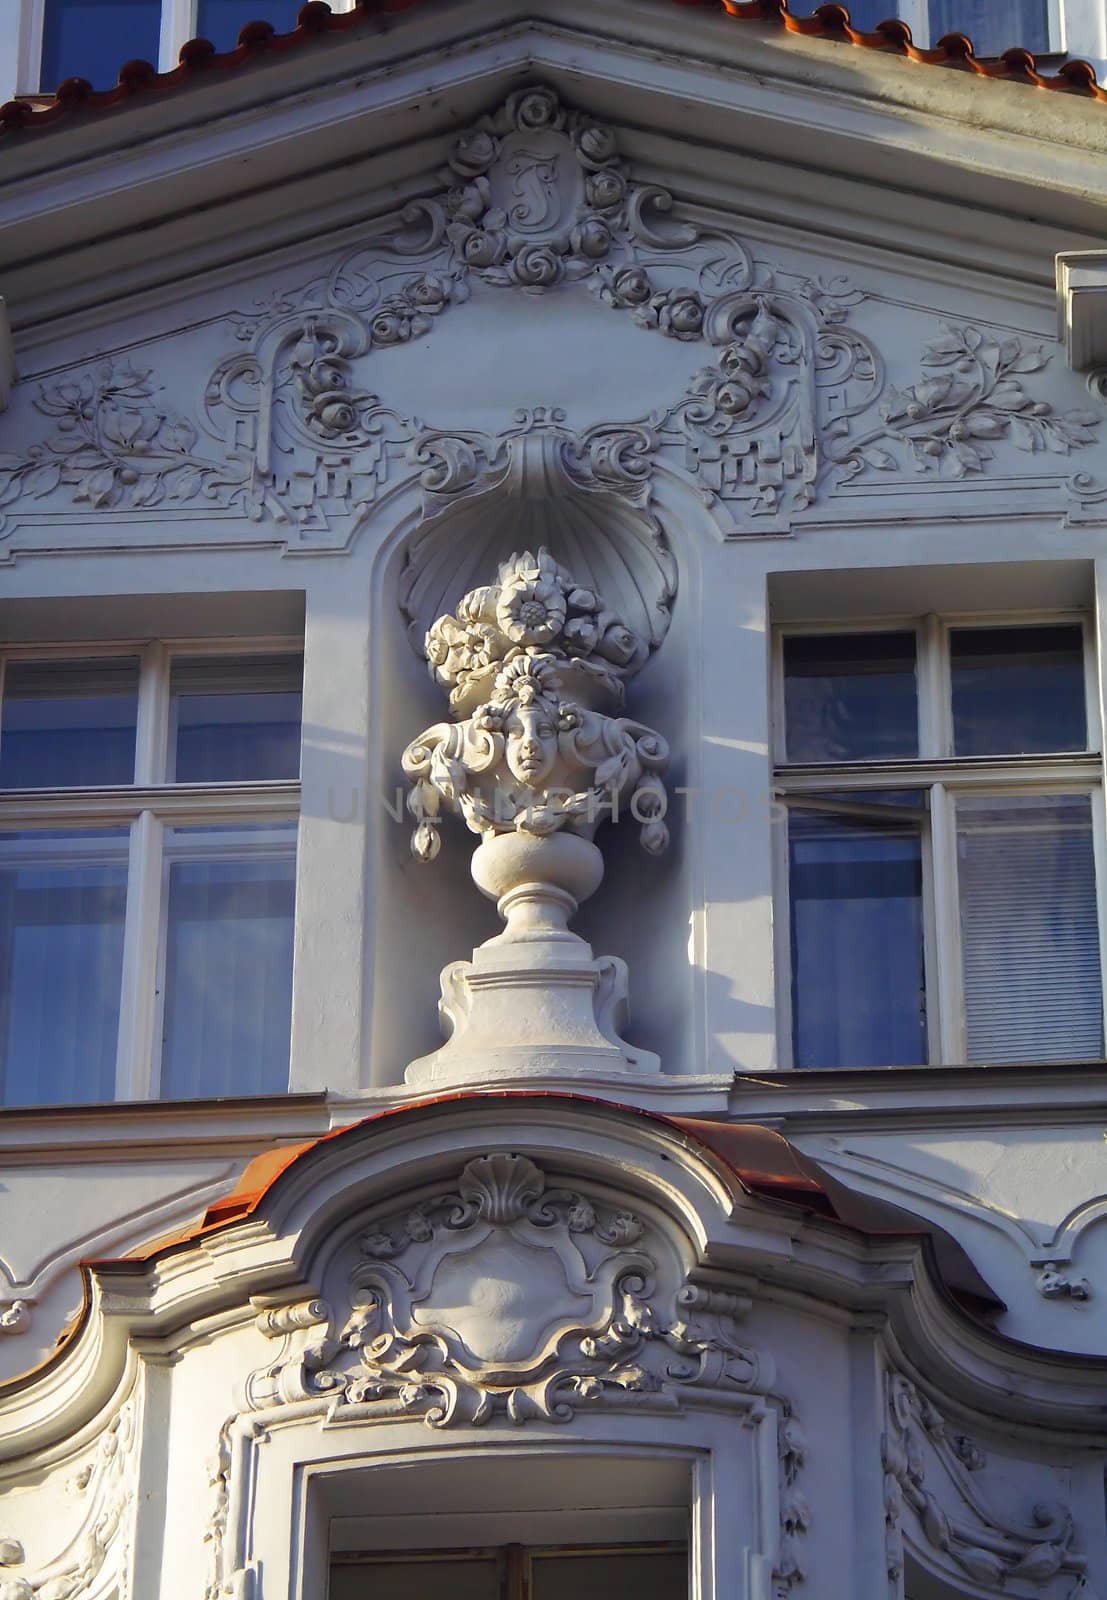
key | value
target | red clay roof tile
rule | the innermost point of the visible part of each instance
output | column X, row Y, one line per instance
column 199, row 58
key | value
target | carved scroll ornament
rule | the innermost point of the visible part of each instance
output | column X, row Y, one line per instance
column 792, row 405
column 507, row 1297
column 930, row 1474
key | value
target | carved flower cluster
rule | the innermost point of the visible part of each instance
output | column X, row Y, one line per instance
column 525, row 660
column 492, row 240
column 534, row 605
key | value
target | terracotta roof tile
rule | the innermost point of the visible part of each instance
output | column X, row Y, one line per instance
column 199, row 58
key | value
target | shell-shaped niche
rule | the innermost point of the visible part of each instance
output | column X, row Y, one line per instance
column 585, row 500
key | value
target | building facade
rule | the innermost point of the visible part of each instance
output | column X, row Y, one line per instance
column 551, row 816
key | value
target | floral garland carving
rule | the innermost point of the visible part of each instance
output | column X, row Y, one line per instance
column 988, row 1547
column 970, row 398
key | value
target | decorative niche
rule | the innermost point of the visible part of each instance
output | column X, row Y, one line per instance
column 540, row 492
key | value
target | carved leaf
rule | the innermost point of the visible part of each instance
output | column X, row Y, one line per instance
column 981, row 1564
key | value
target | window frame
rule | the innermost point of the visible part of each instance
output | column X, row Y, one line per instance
column 916, row 14
column 945, row 777
column 146, row 806
column 177, row 25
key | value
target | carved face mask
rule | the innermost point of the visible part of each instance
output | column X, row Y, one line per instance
column 530, row 738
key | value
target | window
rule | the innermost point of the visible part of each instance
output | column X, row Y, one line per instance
column 514, row 1572
column 93, row 38
column 148, row 813
column 992, row 25
column 944, row 838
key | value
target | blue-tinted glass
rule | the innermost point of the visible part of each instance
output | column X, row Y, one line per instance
column 228, row 963
column 850, row 696
column 68, row 723
column 62, row 901
column 1017, row 691
column 865, row 14
column 93, row 38
column 993, row 25
column 236, row 719
column 221, row 20
column 855, row 879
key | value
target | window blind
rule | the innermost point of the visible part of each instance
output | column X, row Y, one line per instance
column 1030, row 933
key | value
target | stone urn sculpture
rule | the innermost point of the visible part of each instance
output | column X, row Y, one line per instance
column 537, row 757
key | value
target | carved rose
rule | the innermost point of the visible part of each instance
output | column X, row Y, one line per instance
column 617, row 644
column 430, row 290
column 390, row 327
column 454, row 647
column 591, row 238
column 631, row 287
column 537, row 108
column 680, row 314
column 474, row 152
column 470, row 201
column 606, row 189
column 332, row 414
column 484, row 249
column 597, row 143
column 536, row 266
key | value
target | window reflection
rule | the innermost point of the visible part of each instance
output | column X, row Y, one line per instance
column 850, row 696
column 62, row 902
column 228, row 959
column 68, row 723
column 855, row 876
column 1017, row 691
column 93, row 38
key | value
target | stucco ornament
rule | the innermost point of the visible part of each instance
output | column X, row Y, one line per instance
column 535, row 667
column 97, row 1551
column 507, row 1296
column 932, row 1494
column 773, row 397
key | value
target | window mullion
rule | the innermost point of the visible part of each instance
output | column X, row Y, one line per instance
column 134, row 1069
column 934, row 740
column 947, row 922
column 153, row 716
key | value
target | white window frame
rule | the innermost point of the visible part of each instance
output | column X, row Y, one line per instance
column 147, row 806
column 945, row 777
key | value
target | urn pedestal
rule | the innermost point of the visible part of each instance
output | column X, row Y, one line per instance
column 533, row 1002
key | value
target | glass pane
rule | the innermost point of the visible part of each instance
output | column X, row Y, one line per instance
column 447, row 1577
column 855, row 879
column 62, row 902
column 93, row 38
column 228, row 960
column 234, row 719
column 64, row 723
column 850, row 696
column 221, row 20
column 865, row 14
column 993, row 25
column 1017, row 691
column 592, row 1575
column 1028, row 922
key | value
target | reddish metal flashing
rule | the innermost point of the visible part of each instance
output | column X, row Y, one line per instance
column 200, row 60
column 763, row 1161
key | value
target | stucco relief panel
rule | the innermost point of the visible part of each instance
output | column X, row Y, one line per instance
column 543, row 289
